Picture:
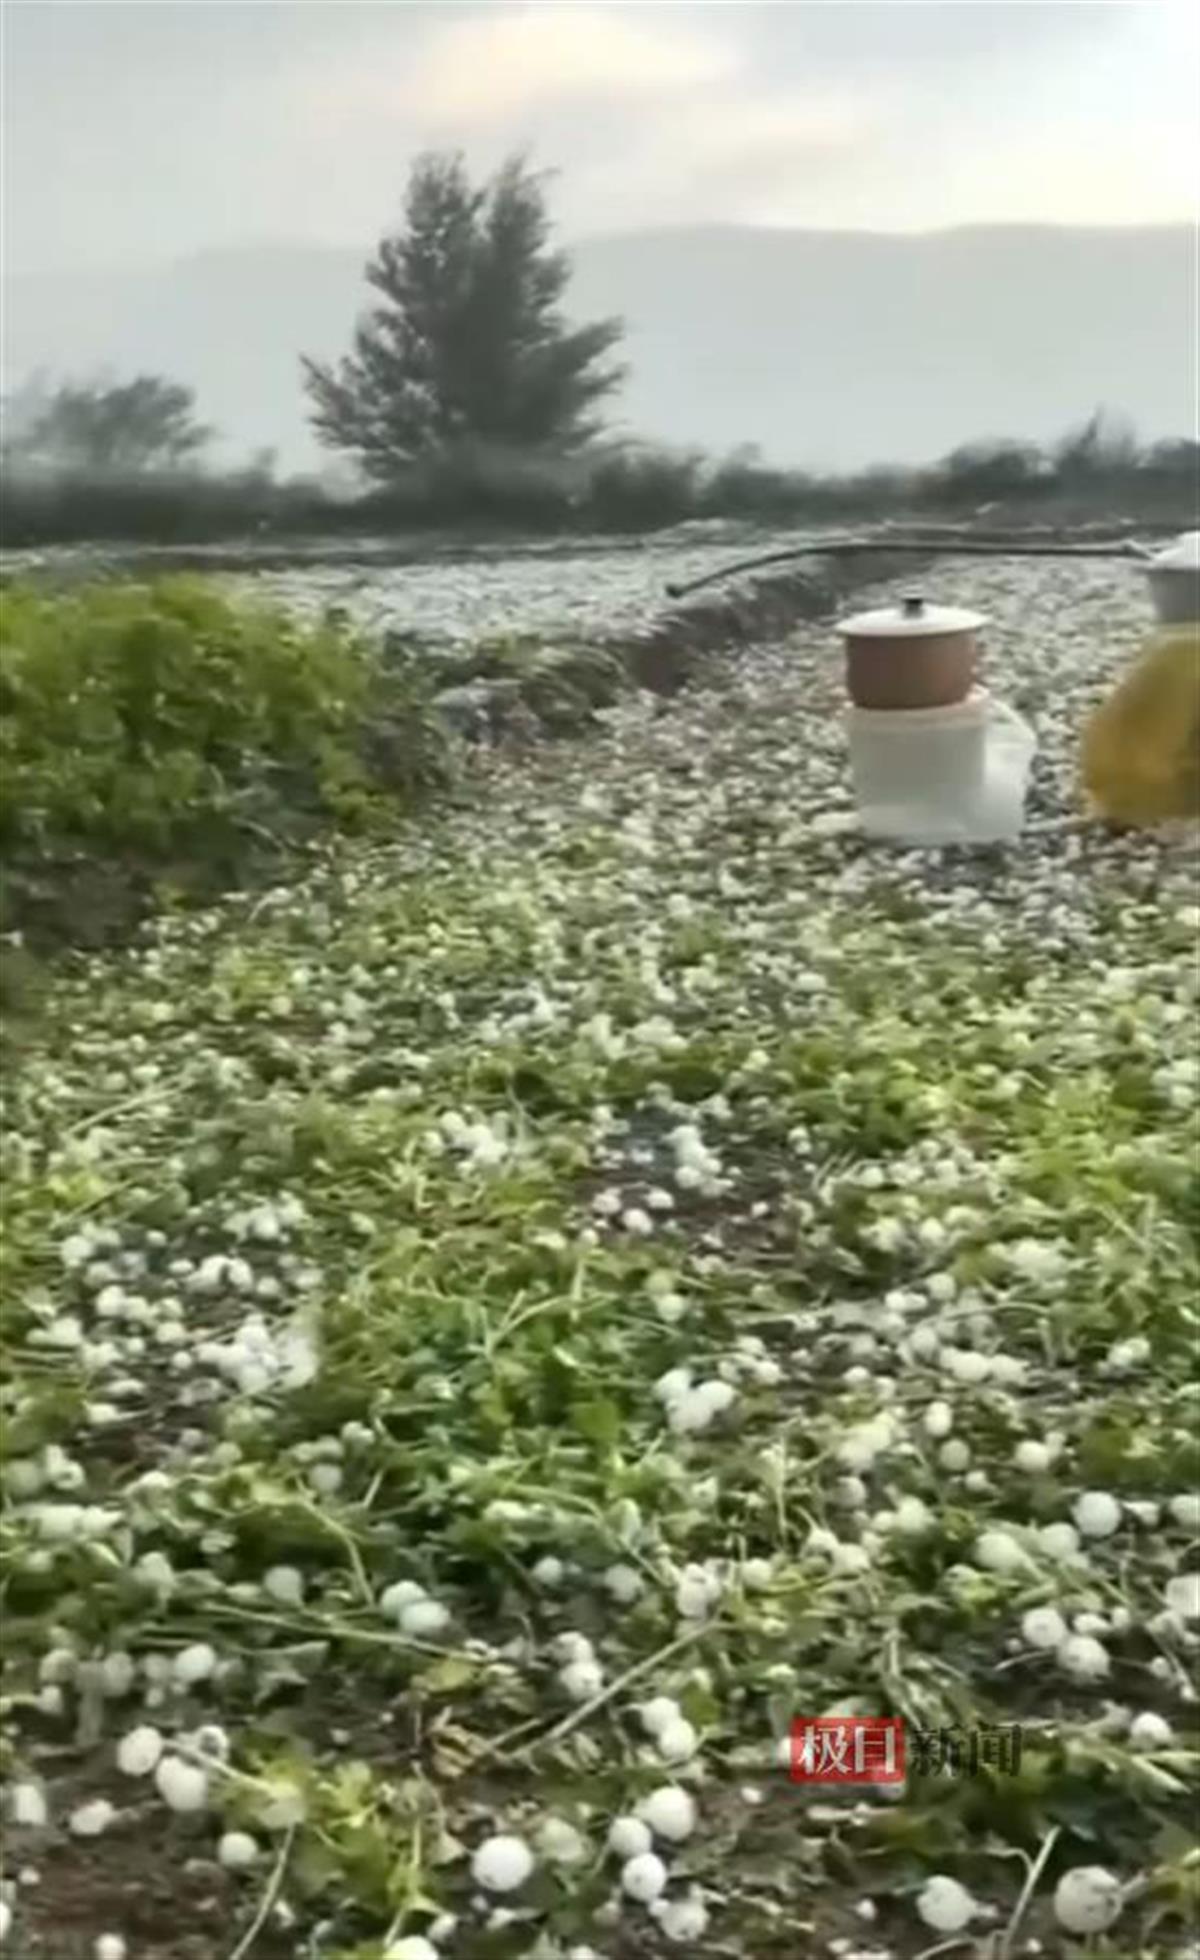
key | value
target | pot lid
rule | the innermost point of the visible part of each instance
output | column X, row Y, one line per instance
column 913, row 619
column 1182, row 556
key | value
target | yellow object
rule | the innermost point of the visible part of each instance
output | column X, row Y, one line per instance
column 1141, row 749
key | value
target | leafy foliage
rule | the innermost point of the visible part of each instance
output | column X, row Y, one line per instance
column 467, row 350
column 125, row 428
column 151, row 717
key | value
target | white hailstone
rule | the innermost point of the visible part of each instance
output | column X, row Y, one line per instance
column 1150, row 1731
column 118, row 1672
column 1125, row 1355
column 657, row 1715
column 76, row 1250
column 696, row 1592
column 237, row 1851
column 1097, row 1514
column 698, row 1408
column 58, row 1664
column 954, row 1455
column 414, row 1946
column 1036, row 1261
column 677, row 1742
column 194, row 1664
column 851, row 1560
column 110, row 1946
column 423, row 1619
column 669, row 1387
column 1083, row 1657
column 1183, row 1596
column 1185, row 1509
column 644, row 1877
column 549, row 1572
column 670, row 1307
column 5, row 1920
column 182, row 1786
column 285, row 1585
column 629, row 1837
column 684, row 1920
column 1044, row 1627
column 913, row 1518
column 1059, row 1541
column 27, row 1806
column 502, row 1864
column 938, row 1420
column 561, row 1844
column 946, row 1906
column 999, row 1551
column 1144, row 1511
column 1009, row 1370
column 966, row 1364
column 1033, row 1458
column 637, row 1222
column 581, row 1679
column 154, row 1569
column 59, row 1522
column 624, row 1584
column 1087, row 1900
column 865, row 1441
column 572, row 1646
column 1090, row 1623
column 404, row 1592
column 91, row 1819
column 670, row 1811
column 757, row 1574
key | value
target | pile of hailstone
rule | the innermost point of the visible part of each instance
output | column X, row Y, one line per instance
column 575, row 1285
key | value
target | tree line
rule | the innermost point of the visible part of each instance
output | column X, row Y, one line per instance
column 466, row 392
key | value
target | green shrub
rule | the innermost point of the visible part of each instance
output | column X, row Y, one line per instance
column 152, row 717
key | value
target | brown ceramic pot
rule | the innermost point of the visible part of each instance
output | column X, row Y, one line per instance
column 911, row 656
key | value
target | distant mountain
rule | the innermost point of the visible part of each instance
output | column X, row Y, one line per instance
column 827, row 349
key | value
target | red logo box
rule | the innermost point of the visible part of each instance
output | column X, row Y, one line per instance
column 848, row 1749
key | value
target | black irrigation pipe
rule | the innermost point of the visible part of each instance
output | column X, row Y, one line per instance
column 934, row 545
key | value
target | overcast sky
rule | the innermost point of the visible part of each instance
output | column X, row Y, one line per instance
column 137, row 132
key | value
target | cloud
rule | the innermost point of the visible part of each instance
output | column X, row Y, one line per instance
column 484, row 70
column 732, row 157
column 136, row 130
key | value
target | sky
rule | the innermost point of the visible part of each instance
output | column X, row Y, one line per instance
column 137, row 133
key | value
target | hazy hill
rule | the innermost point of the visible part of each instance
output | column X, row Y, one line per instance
column 831, row 349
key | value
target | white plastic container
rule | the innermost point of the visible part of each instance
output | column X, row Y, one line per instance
column 1174, row 578
column 955, row 775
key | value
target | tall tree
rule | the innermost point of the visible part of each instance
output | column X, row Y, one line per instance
column 125, row 428
column 467, row 348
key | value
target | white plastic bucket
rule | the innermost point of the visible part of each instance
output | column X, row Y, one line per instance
column 953, row 775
